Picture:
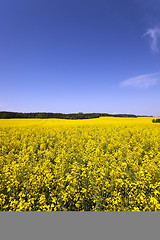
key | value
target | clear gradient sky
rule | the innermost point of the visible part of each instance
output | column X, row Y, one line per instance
column 80, row 56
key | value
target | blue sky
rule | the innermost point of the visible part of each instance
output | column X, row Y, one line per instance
column 80, row 56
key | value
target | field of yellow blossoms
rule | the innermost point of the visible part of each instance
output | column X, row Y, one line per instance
column 105, row 164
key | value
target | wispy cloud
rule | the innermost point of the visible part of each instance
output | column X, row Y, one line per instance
column 142, row 81
column 154, row 35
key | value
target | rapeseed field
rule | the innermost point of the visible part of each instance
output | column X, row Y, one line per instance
column 105, row 164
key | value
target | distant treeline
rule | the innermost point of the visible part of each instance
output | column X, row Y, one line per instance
column 80, row 115
column 156, row 120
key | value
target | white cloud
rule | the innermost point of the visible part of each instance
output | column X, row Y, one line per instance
column 142, row 81
column 154, row 35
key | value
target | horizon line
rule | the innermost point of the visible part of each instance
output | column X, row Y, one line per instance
column 145, row 115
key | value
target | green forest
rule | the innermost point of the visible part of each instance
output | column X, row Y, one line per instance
column 80, row 115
